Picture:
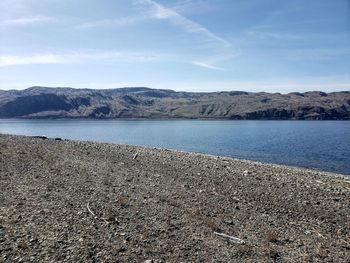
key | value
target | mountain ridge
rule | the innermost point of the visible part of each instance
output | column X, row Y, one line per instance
column 144, row 102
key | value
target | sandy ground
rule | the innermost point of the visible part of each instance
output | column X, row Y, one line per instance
column 70, row 201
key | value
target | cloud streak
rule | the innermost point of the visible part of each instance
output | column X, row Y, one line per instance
column 155, row 11
column 6, row 61
column 152, row 10
column 161, row 12
column 79, row 57
column 206, row 65
column 274, row 35
column 82, row 56
column 74, row 57
column 29, row 20
column 118, row 22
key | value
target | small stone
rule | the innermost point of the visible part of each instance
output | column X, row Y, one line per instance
column 228, row 221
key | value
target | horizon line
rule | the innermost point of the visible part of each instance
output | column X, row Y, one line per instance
column 149, row 88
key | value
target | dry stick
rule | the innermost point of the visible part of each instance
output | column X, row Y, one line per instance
column 90, row 210
column 230, row 238
column 104, row 219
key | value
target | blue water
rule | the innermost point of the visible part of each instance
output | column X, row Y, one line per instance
column 322, row 145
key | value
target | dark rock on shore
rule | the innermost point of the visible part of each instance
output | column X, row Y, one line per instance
column 42, row 102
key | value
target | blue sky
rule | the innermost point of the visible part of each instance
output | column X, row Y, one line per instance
column 191, row 45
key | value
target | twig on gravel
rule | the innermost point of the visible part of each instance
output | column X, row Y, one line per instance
column 87, row 205
column 230, row 238
column 96, row 217
column 135, row 156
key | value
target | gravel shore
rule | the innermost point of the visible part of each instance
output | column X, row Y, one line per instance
column 74, row 201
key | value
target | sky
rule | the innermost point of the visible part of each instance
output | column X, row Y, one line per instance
column 184, row 45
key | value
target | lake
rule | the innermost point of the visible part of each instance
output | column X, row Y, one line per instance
column 322, row 145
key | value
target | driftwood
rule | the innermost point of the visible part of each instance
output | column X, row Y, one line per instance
column 230, row 238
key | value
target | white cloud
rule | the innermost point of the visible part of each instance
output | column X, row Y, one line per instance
column 206, row 65
column 29, row 20
column 151, row 10
column 86, row 56
column 157, row 11
column 80, row 56
column 274, row 35
column 211, row 62
column 192, row 6
column 34, row 59
column 161, row 12
column 118, row 22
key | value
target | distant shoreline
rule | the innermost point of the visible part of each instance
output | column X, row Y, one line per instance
column 142, row 102
column 167, row 119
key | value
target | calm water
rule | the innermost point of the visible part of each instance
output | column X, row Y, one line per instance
column 321, row 145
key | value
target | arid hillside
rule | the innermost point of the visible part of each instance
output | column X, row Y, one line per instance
column 140, row 102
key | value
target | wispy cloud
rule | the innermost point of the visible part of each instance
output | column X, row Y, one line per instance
column 274, row 35
column 213, row 61
column 83, row 56
column 206, row 65
column 118, row 22
column 80, row 56
column 29, row 20
column 192, row 6
column 153, row 10
column 161, row 12
column 6, row 61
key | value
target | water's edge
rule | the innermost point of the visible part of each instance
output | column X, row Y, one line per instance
column 322, row 146
column 221, row 157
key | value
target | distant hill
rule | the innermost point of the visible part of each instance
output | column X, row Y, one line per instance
column 142, row 102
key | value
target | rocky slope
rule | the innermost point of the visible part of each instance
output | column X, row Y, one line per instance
column 42, row 102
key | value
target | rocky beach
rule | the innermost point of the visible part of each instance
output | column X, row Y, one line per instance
column 78, row 201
